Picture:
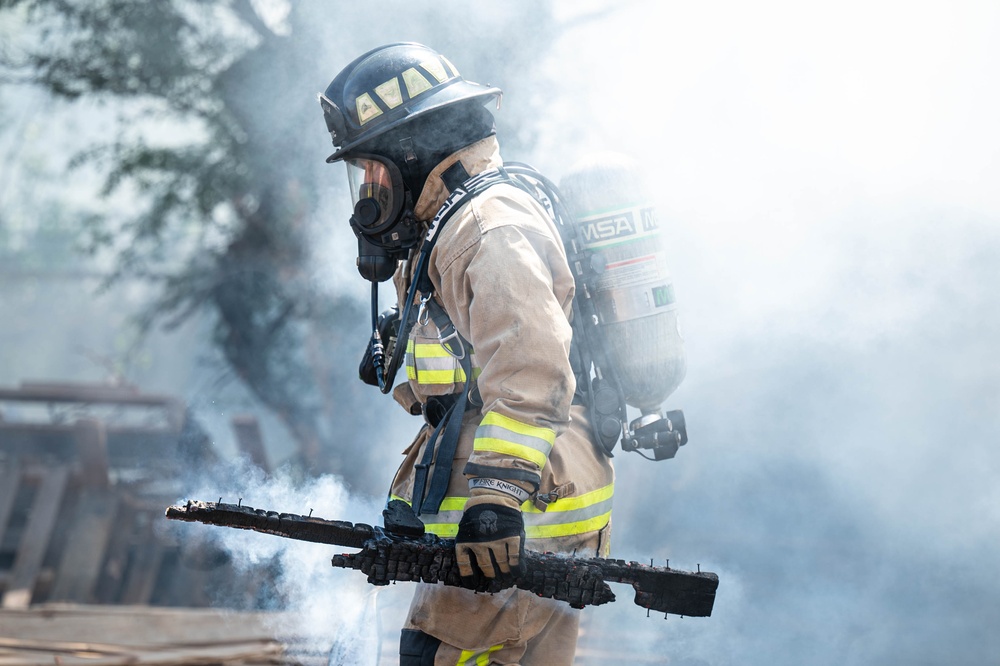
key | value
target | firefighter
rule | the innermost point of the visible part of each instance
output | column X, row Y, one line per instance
column 505, row 459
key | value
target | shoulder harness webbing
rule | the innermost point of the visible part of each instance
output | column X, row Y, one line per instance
column 586, row 350
column 440, row 449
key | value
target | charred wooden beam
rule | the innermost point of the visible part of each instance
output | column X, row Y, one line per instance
column 386, row 557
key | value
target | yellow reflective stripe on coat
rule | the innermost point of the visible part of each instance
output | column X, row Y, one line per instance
column 430, row 363
column 502, row 434
column 445, row 522
column 482, row 657
column 567, row 516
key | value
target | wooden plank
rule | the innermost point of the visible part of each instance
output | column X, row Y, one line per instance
column 60, row 431
column 109, row 584
column 144, row 568
column 35, row 541
column 212, row 654
column 30, row 440
column 10, row 481
column 27, row 652
column 86, row 393
column 92, row 445
column 59, row 440
column 144, row 636
column 250, row 440
column 152, row 626
column 89, row 533
column 50, row 645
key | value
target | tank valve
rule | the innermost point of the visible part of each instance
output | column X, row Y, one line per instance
column 663, row 434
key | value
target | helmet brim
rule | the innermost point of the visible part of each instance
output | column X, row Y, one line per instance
column 453, row 93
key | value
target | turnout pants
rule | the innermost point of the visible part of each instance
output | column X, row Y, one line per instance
column 544, row 636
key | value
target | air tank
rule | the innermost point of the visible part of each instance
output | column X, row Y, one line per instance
column 630, row 284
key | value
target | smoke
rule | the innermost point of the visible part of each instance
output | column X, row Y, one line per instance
column 326, row 612
column 826, row 184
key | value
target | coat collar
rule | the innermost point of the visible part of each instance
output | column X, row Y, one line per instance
column 476, row 158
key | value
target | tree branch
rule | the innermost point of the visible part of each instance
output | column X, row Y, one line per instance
column 245, row 11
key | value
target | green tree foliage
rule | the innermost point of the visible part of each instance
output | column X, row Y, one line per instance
column 214, row 132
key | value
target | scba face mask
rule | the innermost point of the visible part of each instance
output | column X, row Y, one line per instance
column 383, row 217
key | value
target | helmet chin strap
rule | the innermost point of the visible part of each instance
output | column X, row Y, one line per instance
column 409, row 153
column 410, row 166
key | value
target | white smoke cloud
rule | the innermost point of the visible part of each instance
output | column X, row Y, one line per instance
column 329, row 612
column 826, row 181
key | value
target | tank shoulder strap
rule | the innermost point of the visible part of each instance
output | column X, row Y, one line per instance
column 461, row 193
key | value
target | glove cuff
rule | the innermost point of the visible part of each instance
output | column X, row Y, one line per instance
column 480, row 496
column 498, row 486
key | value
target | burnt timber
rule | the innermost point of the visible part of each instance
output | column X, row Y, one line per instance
column 386, row 558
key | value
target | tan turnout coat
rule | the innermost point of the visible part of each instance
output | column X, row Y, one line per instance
column 500, row 272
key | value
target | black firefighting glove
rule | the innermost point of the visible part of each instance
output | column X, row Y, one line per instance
column 491, row 530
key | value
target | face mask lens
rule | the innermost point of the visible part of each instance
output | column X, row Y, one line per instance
column 379, row 199
column 370, row 179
